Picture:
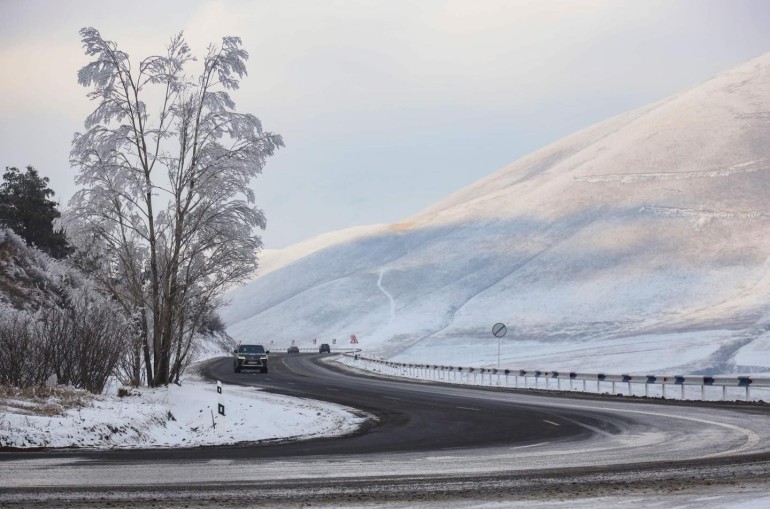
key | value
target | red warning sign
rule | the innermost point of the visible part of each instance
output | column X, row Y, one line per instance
column 334, row 341
column 314, row 340
column 353, row 339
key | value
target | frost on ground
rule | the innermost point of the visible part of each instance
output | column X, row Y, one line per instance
column 170, row 416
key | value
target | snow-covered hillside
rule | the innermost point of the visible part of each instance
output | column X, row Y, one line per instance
column 640, row 243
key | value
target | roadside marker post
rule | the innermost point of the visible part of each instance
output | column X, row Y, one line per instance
column 220, row 407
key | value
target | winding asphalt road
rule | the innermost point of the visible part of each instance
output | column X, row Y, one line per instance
column 424, row 441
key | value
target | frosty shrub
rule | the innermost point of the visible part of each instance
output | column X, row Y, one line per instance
column 81, row 345
column 55, row 321
column 24, row 359
column 85, row 341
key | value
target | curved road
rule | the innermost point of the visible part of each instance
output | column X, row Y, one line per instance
column 424, row 441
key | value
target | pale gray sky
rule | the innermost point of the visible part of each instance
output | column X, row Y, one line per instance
column 385, row 106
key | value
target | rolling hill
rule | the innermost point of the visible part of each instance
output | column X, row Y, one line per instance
column 640, row 243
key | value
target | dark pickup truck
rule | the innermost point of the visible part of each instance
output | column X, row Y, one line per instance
column 250, row 357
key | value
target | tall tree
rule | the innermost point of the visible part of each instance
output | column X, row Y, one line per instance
column 26, row 208
column 165, row 199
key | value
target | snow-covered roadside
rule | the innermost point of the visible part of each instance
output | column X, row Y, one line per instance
column 172, row 416
column 479, row 378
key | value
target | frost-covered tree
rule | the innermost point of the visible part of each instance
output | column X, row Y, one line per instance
column 165, row 207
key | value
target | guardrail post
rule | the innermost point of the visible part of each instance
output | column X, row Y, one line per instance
column 664, row 390
column 613, row 387
column 651, row 379
column 746, row 382
column 703, row 392
column 724, row 392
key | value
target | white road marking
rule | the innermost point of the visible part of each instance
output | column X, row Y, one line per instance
column 333, row 390
column 391, row 397
column 467, row 408
column 551, row 422
column 283, row 361
column 531, row 445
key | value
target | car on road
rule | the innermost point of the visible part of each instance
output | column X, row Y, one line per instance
column 250, row 357
column 292, row 349
column 324, row 348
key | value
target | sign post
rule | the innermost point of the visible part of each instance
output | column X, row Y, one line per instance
column 499, row 330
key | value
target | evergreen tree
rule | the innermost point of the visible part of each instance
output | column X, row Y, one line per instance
column 26, row 208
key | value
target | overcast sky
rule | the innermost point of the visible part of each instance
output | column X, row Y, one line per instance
column 385, row 106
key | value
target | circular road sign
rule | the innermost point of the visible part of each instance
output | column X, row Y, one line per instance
column 499, row 330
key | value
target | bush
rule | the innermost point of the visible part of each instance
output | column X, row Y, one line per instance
column 80, row 344
column 24, row 359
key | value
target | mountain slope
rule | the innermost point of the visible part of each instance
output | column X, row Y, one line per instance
column 638, row 243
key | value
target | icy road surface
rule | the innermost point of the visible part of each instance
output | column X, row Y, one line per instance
column 620, row 445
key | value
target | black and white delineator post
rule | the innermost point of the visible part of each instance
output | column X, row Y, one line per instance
column 220, row 404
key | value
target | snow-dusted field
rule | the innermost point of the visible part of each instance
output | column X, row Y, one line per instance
column 172, row 416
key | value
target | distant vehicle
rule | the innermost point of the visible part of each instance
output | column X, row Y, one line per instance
column 325, row 348
column 250, row 357
column 292, row 349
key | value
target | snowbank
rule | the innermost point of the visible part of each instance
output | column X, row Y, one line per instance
column 171, row 416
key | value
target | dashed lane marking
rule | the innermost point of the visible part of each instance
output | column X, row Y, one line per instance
column 467, row 408
column 551, row 422
column 530, row 445
column 391, row 397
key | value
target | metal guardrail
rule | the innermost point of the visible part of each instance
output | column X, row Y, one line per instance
column 312, row 349
column 574, row 380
